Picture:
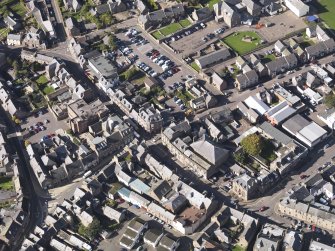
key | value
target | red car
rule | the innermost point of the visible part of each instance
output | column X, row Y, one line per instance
column 263, row 208
column 303, row 176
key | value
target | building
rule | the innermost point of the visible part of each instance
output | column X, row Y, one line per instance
column 269, row 238
column 35, row 39
column 298, row 7
column 253, row 8
column 328, row 117
column 101, row 67
column 224, row 12
column 249, row 113
column 74, row 5
column 82, row 115
column 14, row 39
column 309, row 133
column 284, row 95
column 161, row 17
column 257, row 104
column 204, row 157
column 152, row 237
column 12, row 23
column 134, row 231
column 72, row 27
column 113, row 214
column 213, row 58
column 281, row 64
column 318, row 246
column 218, row 82
column 292, row 241
column 247, row 80
column 320, row 49
column 279, row 113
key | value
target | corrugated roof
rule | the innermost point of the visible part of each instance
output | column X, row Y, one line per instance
column 275, row 133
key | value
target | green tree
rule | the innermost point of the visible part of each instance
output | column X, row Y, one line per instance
column 130, row 73
column 252, row 144
column 107, row 19
column 329, row 100
column 91, row 230
column 112, row 42
column 241, row 157
column 16, row 68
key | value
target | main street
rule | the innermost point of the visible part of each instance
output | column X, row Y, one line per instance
column 36, row 203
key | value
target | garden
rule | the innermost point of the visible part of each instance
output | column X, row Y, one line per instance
column 243, row 42
column 171, row 28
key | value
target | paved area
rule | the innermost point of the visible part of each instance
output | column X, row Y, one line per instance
column 50, row 127
column 193, row 43
column 284, row 24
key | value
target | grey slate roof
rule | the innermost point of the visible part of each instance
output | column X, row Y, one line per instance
column 296, row 123
column 275, row 133
column 216, row 56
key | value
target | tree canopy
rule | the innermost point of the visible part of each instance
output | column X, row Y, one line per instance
column 329, row 100
column 91, row 230
column 253, row 144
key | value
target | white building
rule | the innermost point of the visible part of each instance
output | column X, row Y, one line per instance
column 297, row 7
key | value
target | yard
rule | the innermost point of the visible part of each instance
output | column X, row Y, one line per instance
column 157, row 35
column 210, row 3
column 6, row 183
column 48, row 89
column 185, row 23
column 239, row 248
column 195, row 66
column 171, row 28
column 243, row 42
column 12, row 5
column 42, row 80
column 326, row 11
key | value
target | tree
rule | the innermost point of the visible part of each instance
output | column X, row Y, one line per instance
column 253, row 144
column 130, row 73
column 26, row 143
column 112, row 42
column 107, row 19
column 329, row 100
column 15, row 68
column 91, row 230
column 241, row 157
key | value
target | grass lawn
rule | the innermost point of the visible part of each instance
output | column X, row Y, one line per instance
column 6, row 183
column 42, row 80
column 195, row 66
column 157, row 35
column 4, row 32
column 209, row 3
column 170, row 29
column 268, row 58
column 48, row 89
column 326, row 9
column 238, row 248
column 19, row 9
column 235, row 42
column 185, row 23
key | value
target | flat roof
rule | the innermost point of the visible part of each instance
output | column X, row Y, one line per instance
column 313, row 132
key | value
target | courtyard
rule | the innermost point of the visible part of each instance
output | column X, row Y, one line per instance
column 243, row 42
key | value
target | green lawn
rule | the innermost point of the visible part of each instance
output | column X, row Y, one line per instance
column 209, row 3
column 48, row 89
column 6, row 183
column 238, row 248
column 268, row 58
column 195, row 66
column 235, row 42
column 19, row 9
column 157, row 35
column 327, row 11
column 170, row 29
column 42, row 80
column 185, row 23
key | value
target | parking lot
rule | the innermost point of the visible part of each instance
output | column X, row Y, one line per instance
column 142, row 50
column 194, row 42
column 42, row 125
